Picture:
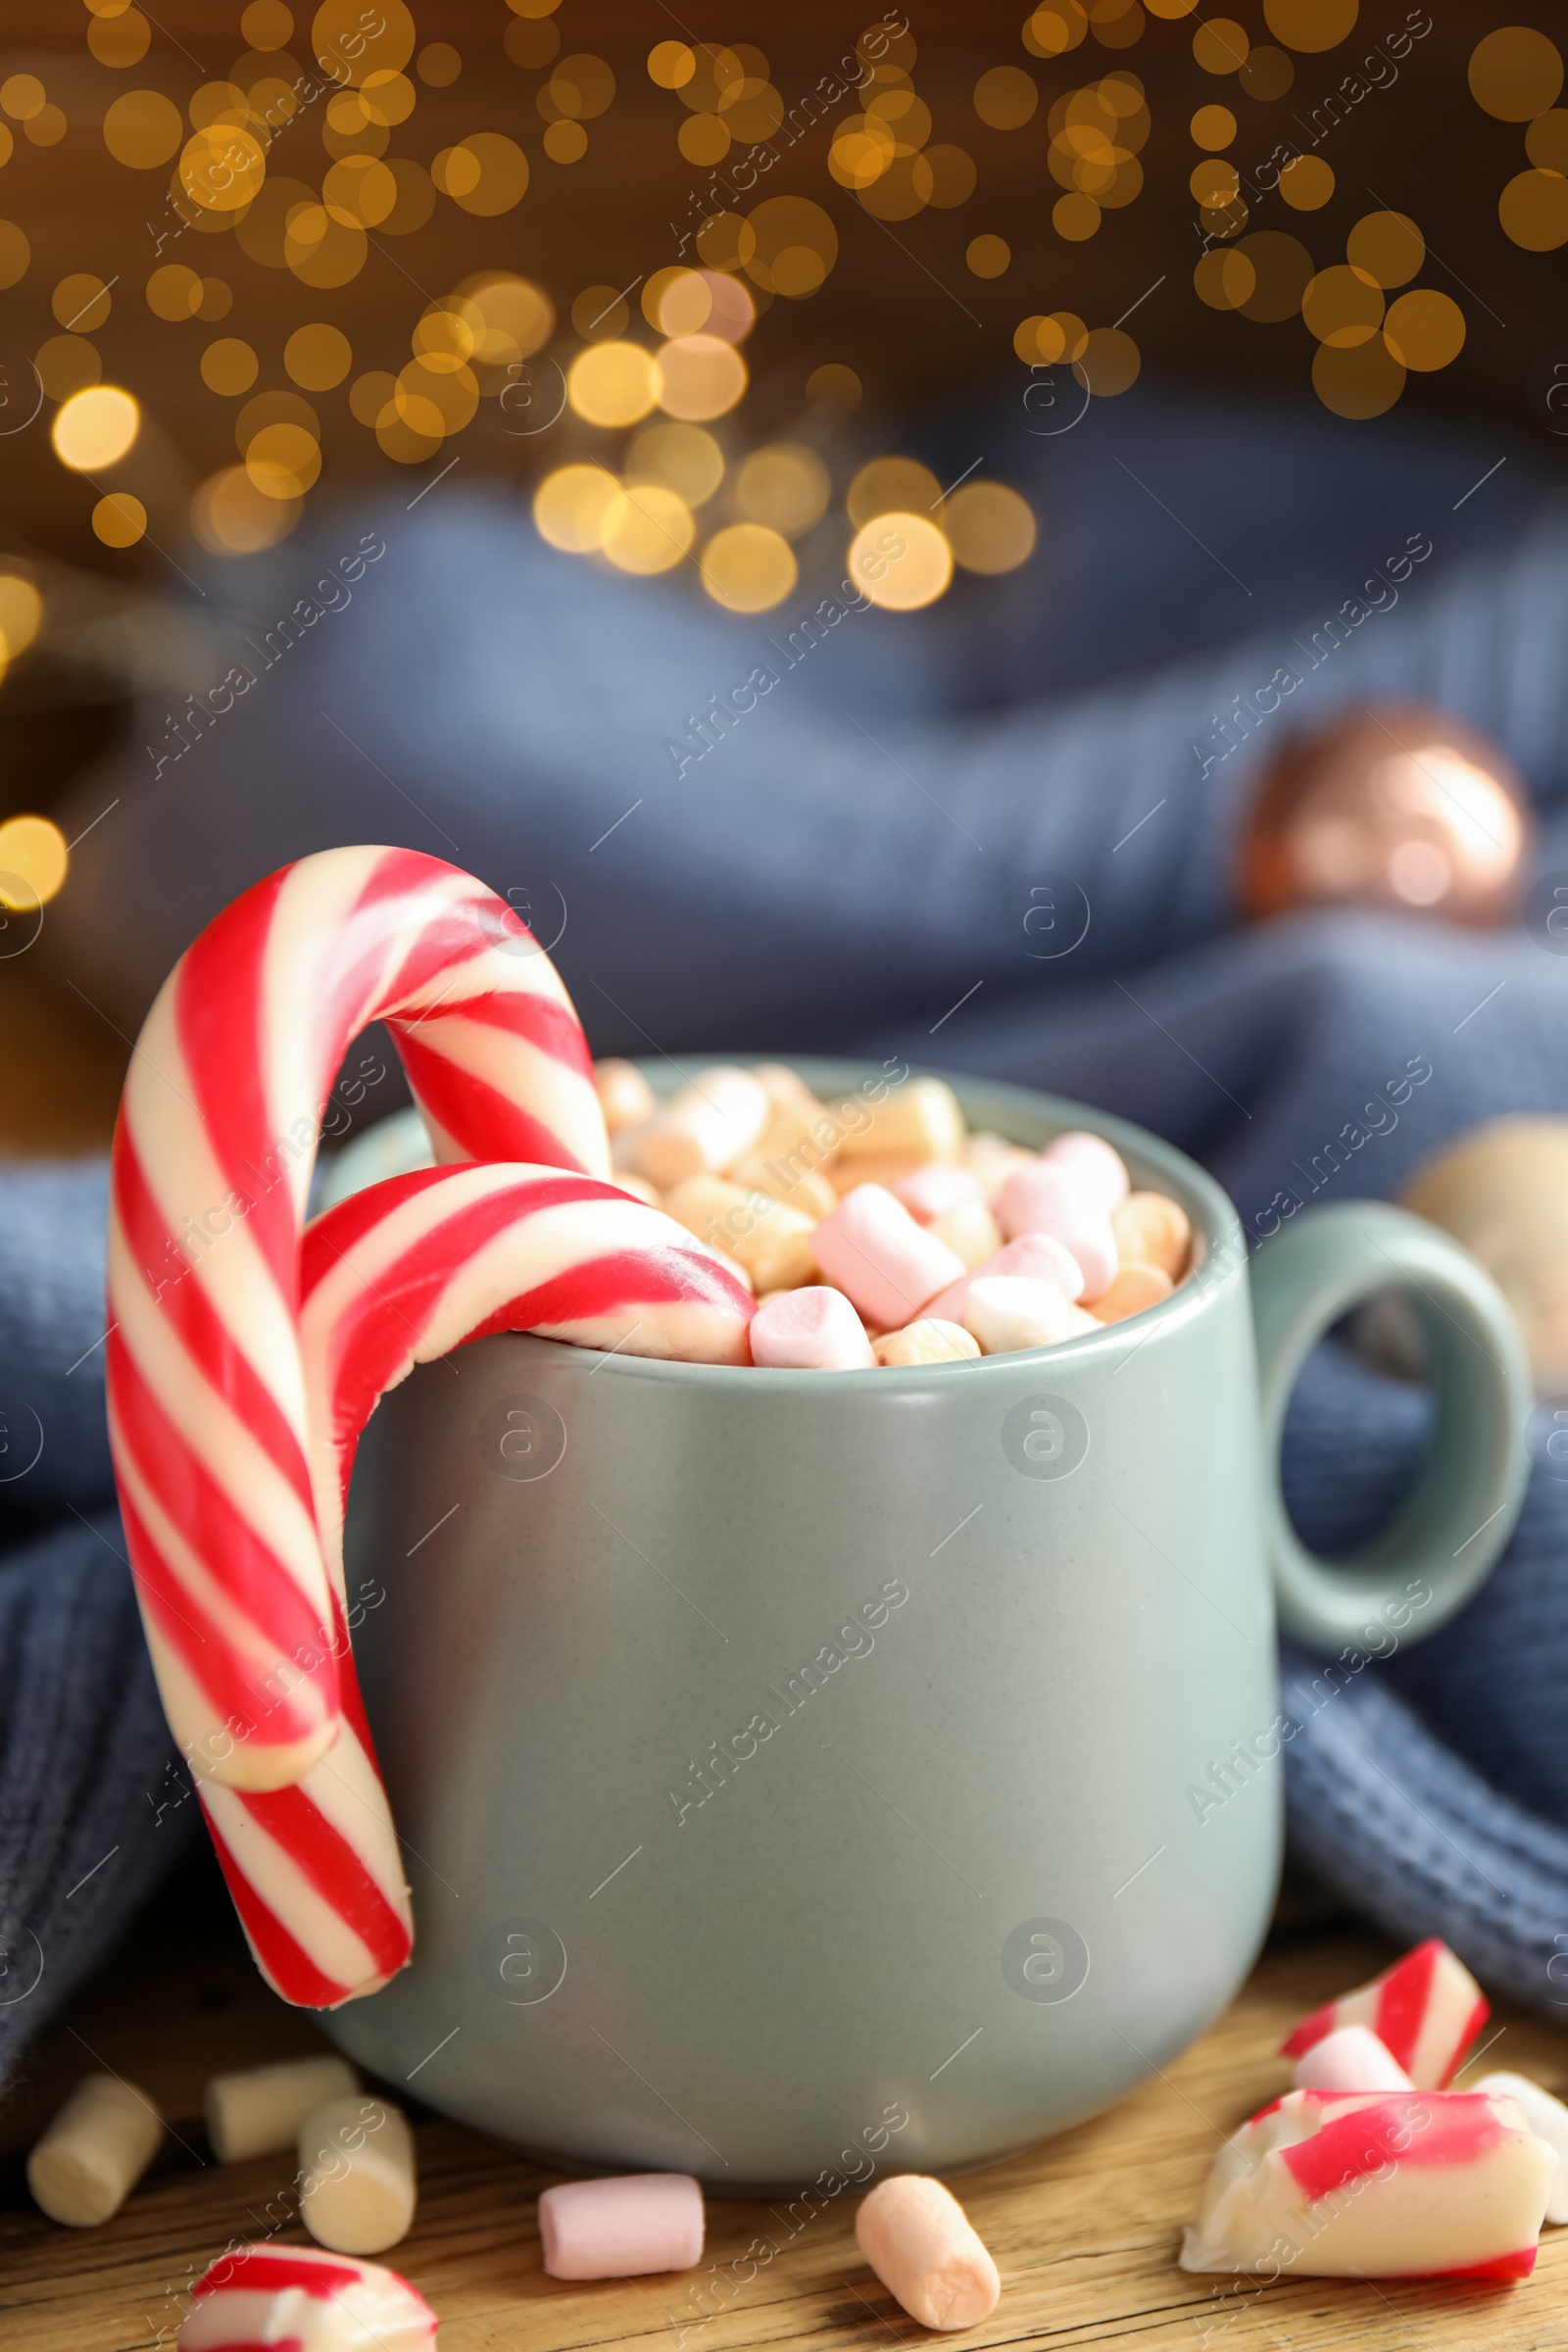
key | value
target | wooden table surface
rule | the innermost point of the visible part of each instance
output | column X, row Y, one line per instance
column 1084, row 2228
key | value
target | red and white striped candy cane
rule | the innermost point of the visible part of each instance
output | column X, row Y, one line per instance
column 206, row 1387
column 398, row 1274
column 301, row 2300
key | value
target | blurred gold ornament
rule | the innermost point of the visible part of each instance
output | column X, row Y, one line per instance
column 1399, row 806
column 1501, row 1188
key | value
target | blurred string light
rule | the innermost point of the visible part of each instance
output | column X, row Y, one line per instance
column 95, row 428
column 1516, row 75
column 34, row 862
column 20, row 617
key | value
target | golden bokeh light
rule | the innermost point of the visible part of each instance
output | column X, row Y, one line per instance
column 387, row 98
column 612, row 384
column 443, row 336
column 67, row 363
column 784, row 486
column 681, row 456
column 580, row 87
column 671, row 64
column 988, row 256
column 748, row 568
column 118, row 519
column 1516, row 73
column 1362, row 380
column 438, row 65
column 283, row 460
column 230, row 516
column 1532, row 210
column 1282, row 270
column 318, row 355
column 34, row 862
column 1059, row 25
column 1311, row 26
column 1213, row 181
column 228, row 366
column 1213, row 126
column 1341, row 306
column 217, row 102
column 1076, row 217
column 340, row 40
column 1006, row 97
column 371, row 394
column 120, row 39
column 95, row 428
column 23, row 95
column 81, row 302
column 699, row 377
column 358, row 191
column 266, row 23
column 1224, row 278
column 173, row 292
column 1385, row 247
column 221, row 167
column 600, row 315
column 486, row 174
column 902, row 561
column 887, row 484
column 571, row 504
column 677, row 300
column 1306, row 182
column 1109, row 362
column 990, row 528
column 647, row 528
column 835, row 387
column 21, row 613
column 566, row 143
column 142, row 129
column 1425, row 329
column 794, row 246
column 1547, row 141
column 1220, row 44
column 1267, row 74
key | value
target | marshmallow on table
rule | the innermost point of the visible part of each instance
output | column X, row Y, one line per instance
column 1132, row 1289
column 1097, row 1165
column 1350, row 2058
column 1008, row 1311
column 302, row 2301
column 1547, row 2118
column 773, row 1241
column 624, row 1094
column 919, row 2239
column 260, row 2110
column 700, row 1130
column 1055, row 1199
column 94, row 2153
column 1376, row 2184
column 1036, row 1255
column 928, row 1342
column 623, row 2229
column 809, row 1330
column 1425, row 2010
column 886, row 1264
column 357, row 2155
column 1153, row 1229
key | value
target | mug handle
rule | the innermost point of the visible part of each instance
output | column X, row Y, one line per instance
column 1452, row 1526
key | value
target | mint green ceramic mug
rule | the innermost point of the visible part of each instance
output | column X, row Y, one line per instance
column 804, row 1774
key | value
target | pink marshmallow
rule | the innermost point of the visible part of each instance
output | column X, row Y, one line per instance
column 1350, row 2058
column 621, row 2229
column 930, row 1192
column 886, row 1264
column 1099, row 1167
column 813, row 1329
column 1055, row 1199
column 1037, row 1255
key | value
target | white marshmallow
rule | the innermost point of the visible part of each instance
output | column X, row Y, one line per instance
column 1008, row 1311
column 260, row 2110
column 359, row 2193
column 94, row 2153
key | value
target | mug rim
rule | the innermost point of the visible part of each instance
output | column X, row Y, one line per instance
column 1215, row 1224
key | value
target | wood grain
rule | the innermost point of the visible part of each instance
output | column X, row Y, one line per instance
column 1084, row 2228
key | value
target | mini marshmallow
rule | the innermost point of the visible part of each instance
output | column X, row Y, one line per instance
column 1153, row 1229
column 1008, row 1311
column 1547, row 2118
column 94, row 2153
column 1036, row 1255
column 920, row 1119
column 624, row 1094
column 970, row 1232
column 359, row 2191
column 700, row 1130
column 919, row 2241
column 805, row 1187
column 1132, row 1290
column 260, row 2110
column 886, row 1264
column 294, row 2297
column 1097, row 1165
column 1053, row 1199
column 771, row 1241
column 1425, row 2010
column 810, row 1330
column 929, row 1193
column 623, row 2229
column 1379, row 2185
column 994, row 1159
column 1350, row 2058
column 928, row 1342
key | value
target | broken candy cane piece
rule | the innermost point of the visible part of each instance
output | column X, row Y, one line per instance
column 623, row 2229
column 1547, row 2118
column 1425, row 2010
column 94, row 2153
column 919, row 2239
column 292, row 2296
column 1350, row 2058
column 1376, row 2184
